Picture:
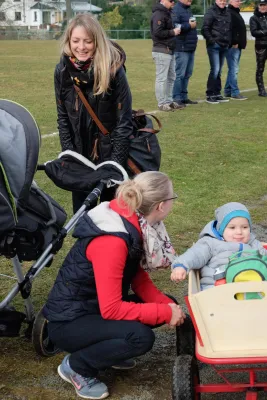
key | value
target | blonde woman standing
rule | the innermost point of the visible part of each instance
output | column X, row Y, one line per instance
column 95, row 64
column 90, row 311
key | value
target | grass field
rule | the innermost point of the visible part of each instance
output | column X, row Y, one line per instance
column 214, row 154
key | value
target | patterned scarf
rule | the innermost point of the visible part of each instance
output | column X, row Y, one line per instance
column 158, row 250
column 81, row 65
column 81, row 72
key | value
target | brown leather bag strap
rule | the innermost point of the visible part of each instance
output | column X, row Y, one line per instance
column 141, row 113
column 91, row 111
column 133, row 167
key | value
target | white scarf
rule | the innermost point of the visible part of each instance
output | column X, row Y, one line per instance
column 158, row 250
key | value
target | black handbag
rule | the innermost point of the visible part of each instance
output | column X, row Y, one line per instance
column 144, row 151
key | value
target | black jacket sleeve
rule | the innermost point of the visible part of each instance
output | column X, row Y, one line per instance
column 62, row 116
column 124, row 127
column 254, row 28
column 159, row 27
column 207, row 27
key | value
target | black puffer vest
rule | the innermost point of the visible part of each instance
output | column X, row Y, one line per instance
column 74, row 292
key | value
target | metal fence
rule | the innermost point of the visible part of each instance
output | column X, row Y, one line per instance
column 23, row 33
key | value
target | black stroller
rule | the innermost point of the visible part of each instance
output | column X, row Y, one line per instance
column 32, row 223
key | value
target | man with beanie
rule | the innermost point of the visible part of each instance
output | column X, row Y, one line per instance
column 228, row 233
column 216, row 30
column 238, row 43
column 163, row 35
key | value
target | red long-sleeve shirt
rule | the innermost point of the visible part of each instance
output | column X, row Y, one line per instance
column 108, row 256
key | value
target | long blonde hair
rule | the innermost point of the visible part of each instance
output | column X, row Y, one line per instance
column 144, row 191
column 107, row 58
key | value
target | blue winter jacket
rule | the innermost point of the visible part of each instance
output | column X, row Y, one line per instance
column 187, row 40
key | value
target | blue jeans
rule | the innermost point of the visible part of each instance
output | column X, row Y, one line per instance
column 217, row 56
column 233, row 60
column 184, row 64
column 165, row 76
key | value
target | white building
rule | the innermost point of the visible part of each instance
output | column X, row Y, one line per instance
column 33, row 15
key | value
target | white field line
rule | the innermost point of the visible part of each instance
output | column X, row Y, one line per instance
column 154, row 111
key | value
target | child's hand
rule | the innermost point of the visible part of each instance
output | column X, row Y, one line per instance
column 178, row 274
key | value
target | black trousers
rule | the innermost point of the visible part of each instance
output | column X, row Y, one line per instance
column 96, row 343
column 261, row 56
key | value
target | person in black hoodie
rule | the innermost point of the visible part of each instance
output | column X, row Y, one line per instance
column 216, row 30
column 238, row 42
column 258, row 29
column 163, row 35
column 95, row 64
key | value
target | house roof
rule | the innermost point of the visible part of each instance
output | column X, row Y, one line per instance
column 77, row 6
column 41, row 6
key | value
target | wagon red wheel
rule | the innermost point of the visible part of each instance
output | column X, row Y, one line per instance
column 185, row 378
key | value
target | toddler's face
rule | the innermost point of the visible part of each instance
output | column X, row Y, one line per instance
column 238, row 230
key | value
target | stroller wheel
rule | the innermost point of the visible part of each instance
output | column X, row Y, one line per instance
column 185, row 378
column 40, row 339
column 186, row 338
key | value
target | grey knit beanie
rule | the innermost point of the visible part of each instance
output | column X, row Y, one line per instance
column 225, row 213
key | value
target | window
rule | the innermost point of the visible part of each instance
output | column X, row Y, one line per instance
column 2, row 16
column 17, row 16
column 35, row 16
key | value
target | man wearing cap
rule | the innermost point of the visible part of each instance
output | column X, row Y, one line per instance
column 163, row 35
column 258, row 29
column 238, row 43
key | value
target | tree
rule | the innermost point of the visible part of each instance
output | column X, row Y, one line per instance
column 111, row 19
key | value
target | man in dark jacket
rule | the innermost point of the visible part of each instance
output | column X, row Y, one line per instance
column 216, row 30
column 186, row 44
column 238, row 42
column 163, row 35
column 258, row 29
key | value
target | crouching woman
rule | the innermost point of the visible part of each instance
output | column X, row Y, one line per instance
column 91, row 314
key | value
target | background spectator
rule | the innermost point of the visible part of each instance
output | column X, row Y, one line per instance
column 216, row 30
column 186, row 44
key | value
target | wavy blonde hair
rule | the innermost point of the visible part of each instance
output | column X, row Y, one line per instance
column 107, row 58
column 144, row 191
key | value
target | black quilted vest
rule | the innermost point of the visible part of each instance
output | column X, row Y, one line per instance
column 74, row 292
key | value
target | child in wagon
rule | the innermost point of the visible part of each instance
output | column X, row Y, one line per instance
column 229, row 233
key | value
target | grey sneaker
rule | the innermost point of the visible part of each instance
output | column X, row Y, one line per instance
column 222, row 99
column 165, row 107
column 126, row 364
column 212, row 100
column 239, row 97
column 87, row 388
column 177, row 105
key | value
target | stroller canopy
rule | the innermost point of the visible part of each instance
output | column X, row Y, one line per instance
column 19, row 150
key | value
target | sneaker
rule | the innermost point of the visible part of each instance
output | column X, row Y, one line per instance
column 126, row 364
column 263, row 94
column 165, row 107
column 188, row 101
column 177, row 105
column 239, row 97
column 87, row 388
column 222, row 99
column 212, row 100
column 227, row 95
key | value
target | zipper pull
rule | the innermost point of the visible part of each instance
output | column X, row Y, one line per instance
column 148, row 145
column 76, row 102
